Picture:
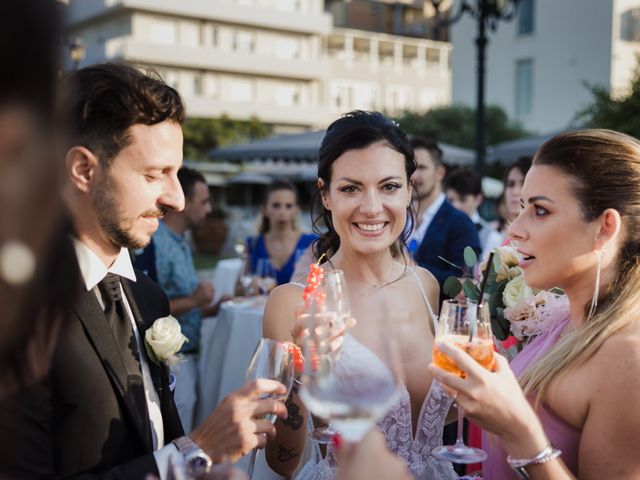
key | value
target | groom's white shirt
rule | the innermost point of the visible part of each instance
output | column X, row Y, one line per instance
column 93, row 271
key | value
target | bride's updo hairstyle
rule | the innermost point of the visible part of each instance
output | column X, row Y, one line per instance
column 354, row 131
column 604, row 167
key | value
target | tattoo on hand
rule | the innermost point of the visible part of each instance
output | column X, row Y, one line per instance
column 284, row 454
column 294, row 419
column 294, row 388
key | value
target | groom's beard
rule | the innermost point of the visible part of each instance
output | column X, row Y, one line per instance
column 118, row 228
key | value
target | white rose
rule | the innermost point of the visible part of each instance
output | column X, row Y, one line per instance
column 515, row 291
column 164, row 339
column 508, row 256
column 509, row 261
column 508, row 273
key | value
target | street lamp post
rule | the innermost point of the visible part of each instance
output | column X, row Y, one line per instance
column 487, row 14
column 76, row 52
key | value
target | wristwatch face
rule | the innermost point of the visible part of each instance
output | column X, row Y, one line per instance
column 198, row 464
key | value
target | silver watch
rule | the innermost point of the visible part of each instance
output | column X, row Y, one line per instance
column 196, row 461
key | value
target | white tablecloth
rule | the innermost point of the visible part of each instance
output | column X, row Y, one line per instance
column 228, row 341
column 223, row 277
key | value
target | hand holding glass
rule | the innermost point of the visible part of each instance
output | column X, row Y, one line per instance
column 467, row 326
column 272, row 360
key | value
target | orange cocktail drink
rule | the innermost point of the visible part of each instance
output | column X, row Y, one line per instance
column 480, row 349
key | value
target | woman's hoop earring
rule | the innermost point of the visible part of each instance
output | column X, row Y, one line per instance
column 596, row 290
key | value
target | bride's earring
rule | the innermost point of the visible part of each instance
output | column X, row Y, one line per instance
column 17, row 262
column 596, row 290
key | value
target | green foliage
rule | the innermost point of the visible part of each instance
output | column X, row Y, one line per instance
column 452, row 287
column 470, row 257
column 492, row 293
column 620, row 114
column 203, row 134
column 455, row 125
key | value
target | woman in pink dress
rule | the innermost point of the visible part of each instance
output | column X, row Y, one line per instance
column 568, row 407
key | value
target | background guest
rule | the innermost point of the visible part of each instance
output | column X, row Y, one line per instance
column 274, row 252
column 513, row 181
column 441, row 232
column 464, row 191
column 190, row 299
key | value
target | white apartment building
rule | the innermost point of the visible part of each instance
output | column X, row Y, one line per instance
column 537, row 64
column 378, row 71
column 281, row 61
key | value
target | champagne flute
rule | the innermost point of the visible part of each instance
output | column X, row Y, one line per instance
column 266, row 276
column 465, row 325
column 336, row 309
column 353, row 388
column 272, row 360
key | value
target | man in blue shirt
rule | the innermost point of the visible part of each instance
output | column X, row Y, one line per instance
column 190, row 299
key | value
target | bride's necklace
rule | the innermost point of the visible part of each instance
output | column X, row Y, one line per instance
column 375, row 286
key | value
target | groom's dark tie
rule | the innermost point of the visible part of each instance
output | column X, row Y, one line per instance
column 120, row 324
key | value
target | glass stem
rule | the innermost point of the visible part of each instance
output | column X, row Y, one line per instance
column 252, row 463
column 460, row 439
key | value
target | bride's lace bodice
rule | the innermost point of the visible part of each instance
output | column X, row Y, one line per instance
column 397, row 428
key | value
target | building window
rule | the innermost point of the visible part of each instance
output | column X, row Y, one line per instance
column 287, row 95
column 240, row 90
column 630, row 25
column 524, row 87
column 340, row 96
column 214, row 36
column 525, row 17
column 162, row 31
column 398, row 98
column 189, row 34
column 288, row 48
column 243, row 41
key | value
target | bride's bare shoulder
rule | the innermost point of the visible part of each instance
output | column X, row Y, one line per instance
column 279, row 312
column 428, row 281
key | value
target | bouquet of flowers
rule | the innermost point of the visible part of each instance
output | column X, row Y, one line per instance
column 515, row 308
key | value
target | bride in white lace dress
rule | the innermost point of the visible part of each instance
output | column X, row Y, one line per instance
column 364, row 170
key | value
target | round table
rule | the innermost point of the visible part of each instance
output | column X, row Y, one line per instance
column 227, row 343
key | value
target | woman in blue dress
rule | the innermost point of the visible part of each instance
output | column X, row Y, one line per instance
column 274, row 252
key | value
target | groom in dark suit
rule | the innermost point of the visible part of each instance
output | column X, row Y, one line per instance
column 441, row 232
column 106, row 409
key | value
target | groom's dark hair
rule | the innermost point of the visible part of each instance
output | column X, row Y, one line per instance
column 104, row 101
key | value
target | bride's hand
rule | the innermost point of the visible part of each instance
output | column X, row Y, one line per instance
column 332, row 332
column 493, row 400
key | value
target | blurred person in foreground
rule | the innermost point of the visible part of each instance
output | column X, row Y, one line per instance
column 190, row 299
column 38, row 272
column 463, row 188
column 441, row 232
column 106, row 409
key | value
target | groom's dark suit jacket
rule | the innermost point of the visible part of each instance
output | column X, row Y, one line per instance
column 449, row 232
column 85, row 418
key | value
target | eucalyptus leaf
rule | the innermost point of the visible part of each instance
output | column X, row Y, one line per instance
column 452, row 287
column 498, row 329
column 497, row 261
column 470, row 290
column 470, row 257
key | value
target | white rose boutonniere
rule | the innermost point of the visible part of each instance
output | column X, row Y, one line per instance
column 515, row 291
column 163, row 340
